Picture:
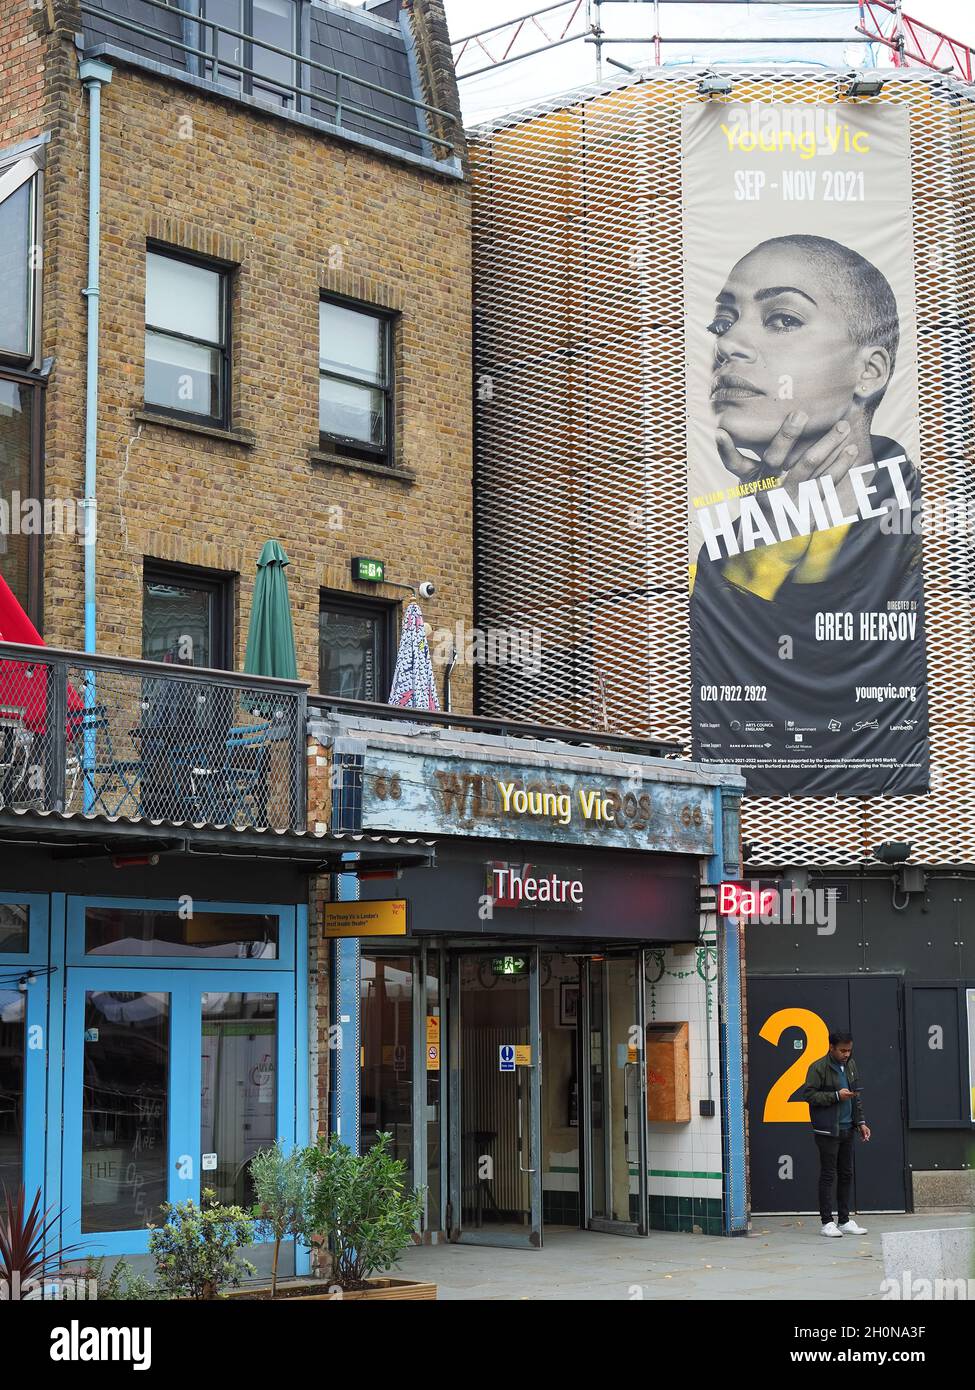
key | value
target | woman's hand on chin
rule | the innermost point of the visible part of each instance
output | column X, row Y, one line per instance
column 783, row 458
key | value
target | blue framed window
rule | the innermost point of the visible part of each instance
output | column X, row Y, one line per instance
column 184, row 931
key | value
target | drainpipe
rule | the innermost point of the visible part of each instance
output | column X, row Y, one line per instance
column 93, row 75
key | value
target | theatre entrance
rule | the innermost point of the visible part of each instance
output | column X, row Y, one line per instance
column 495, row 1160
column 512, row 1078
column 546, row 1094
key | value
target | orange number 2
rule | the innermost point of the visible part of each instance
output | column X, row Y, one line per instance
column 779, row 1109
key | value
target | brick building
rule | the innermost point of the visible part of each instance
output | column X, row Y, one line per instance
column 234, row 306
column 237, row 309
column 281, row 212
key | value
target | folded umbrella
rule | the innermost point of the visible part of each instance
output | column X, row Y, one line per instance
column 414, row 684
column 270, row 637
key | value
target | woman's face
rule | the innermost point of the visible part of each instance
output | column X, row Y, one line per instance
column 781, row 344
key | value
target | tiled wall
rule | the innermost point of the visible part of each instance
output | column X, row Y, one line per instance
column 685, row 1159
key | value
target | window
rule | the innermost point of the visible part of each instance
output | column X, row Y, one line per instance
column 187, row 332
column 21, row 552
column 355, row 381
column 272, row 22
column 186, row 616
column 19, row 263
column 116, row 931
column 355, row 645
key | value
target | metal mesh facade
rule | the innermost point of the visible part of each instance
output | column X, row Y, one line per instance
column 581, row 496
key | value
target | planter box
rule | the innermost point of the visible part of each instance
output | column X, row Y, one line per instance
column 318, row 1291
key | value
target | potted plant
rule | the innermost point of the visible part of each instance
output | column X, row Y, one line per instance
column 366, row 1215
column 196, row 1248
column 282, row 1189
column 25, row 1261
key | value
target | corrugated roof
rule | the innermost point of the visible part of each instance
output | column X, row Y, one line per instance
column 29, row 814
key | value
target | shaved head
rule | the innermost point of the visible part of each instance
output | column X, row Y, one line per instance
column 862, row 292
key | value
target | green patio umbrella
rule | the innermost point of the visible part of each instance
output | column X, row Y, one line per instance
column 271, row 638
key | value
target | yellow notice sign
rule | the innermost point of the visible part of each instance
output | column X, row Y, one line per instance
column 433, row 1056
column 433, row 1028
column 523, row 1055
column 386, row 918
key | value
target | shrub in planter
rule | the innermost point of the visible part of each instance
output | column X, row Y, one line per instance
column 361, row 1203
column 120, row 1284
column 196, row 1249
column 282, row 1186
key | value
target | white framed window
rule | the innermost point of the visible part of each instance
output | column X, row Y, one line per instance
column 20, row 258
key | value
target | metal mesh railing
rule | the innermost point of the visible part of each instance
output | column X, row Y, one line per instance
column 205, row 48
column 87, row 735
column 581, row 499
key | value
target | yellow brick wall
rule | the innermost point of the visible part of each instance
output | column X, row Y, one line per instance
column 285, row 205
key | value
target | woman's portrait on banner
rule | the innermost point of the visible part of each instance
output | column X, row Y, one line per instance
column 807, row 616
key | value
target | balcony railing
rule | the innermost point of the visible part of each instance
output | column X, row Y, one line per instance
column 148, row 741
column 347, row 101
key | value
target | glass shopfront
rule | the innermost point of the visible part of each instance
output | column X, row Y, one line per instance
column 24, row 970
column 400, row 1083
column 510, row 1064
column 533, row 1112
column 179, row 1053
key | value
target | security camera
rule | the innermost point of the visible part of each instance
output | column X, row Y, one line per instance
column 426, row 589
column 893, row 851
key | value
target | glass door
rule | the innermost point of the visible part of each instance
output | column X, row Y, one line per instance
column 614, row 1119
column 173, row 1080
column 24, row 979
column 494, row 1075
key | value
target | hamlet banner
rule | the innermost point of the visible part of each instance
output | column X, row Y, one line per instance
column 804, row 488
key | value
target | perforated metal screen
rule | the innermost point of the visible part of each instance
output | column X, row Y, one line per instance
column 581, row 501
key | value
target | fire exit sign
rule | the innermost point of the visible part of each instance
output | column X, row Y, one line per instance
column 368, row 570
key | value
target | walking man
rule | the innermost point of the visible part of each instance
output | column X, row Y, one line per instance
column 832, row 1091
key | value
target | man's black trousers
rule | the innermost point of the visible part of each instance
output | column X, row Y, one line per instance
column 835, row 1166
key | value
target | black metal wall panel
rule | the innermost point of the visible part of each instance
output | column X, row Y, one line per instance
column 937, row 1056
column 876, row 1023
column 786, row 1017
column 919, row 940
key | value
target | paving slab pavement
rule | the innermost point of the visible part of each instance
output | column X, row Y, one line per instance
column 782, row 1258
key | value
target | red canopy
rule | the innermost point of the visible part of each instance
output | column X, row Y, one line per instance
column 23, row 686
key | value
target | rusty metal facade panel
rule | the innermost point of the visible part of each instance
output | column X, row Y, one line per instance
column 581, row 502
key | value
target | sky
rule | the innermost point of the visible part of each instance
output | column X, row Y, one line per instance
column 518, row 84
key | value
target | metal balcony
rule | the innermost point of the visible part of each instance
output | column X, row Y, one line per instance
column 166, row 36
column 144, row 741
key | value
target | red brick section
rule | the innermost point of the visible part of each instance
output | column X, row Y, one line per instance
column 24, row 36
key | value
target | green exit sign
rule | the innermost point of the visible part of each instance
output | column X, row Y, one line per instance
column 510, row 965
column 370, row 571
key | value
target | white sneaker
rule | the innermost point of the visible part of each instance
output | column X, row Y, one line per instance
column 831, row 1229
column 850, row 1228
